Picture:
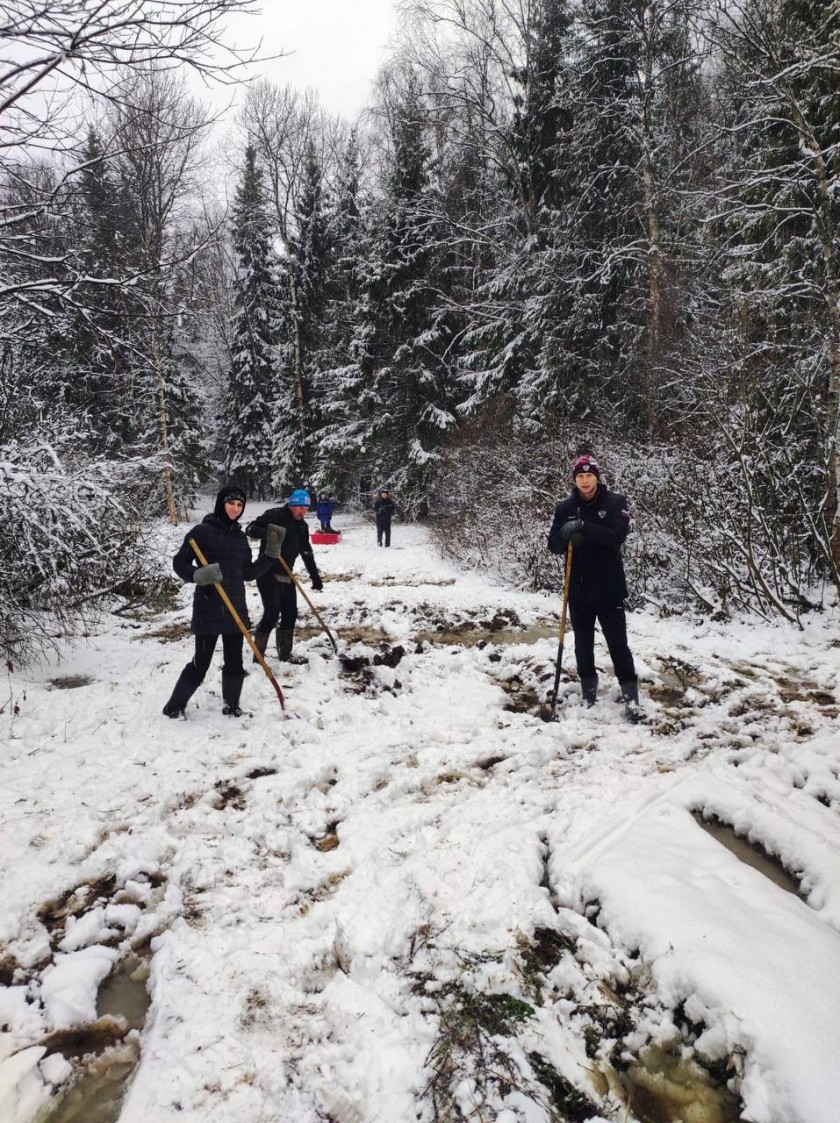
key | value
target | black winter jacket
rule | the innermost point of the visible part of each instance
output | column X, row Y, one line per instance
column 384, row 510
column 222, row 541
column 296, row 543
column 597, row 568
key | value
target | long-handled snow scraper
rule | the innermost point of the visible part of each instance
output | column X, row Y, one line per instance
column 562, row 630
column 309, row 602
column 238, row 619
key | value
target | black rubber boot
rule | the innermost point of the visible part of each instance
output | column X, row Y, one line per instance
column 231, row 691
column 630, row 698
column 589, row 690
column 630, row 691
column 188, row 682
column 285, row 642
column 261, row 643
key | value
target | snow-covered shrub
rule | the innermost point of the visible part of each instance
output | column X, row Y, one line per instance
column 72, row 540
column 712, row 530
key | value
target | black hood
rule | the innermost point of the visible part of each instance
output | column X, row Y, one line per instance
column 229, row 491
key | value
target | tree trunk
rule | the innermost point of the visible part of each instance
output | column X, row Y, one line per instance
column 832, row 297
column 654, row 227
column 168, row 487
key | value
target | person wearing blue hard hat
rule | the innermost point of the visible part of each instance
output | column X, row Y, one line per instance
column 277, row 589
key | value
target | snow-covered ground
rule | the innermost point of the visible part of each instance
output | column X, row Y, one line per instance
column 409, row 896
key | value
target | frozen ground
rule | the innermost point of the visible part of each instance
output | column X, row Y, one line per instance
column 410, row 898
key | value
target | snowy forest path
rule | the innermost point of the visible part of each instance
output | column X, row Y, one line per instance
column 311, row 891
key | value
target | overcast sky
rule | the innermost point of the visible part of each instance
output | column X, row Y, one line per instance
column 335, row 46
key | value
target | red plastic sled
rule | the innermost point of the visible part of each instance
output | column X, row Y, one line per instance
column 320, row 539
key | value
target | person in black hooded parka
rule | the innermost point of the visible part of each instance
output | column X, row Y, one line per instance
column 596, row 521
column 228, row 554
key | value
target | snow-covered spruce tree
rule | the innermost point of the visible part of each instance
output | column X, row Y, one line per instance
column 403, row 402
column 622, row 250
column 495, row 82
column 338, row 377
column 541, row 184
column 292, row 136
column 247, row 406
column 300, row 392
column 780, row 62
column 160, row 130
column 96, row 344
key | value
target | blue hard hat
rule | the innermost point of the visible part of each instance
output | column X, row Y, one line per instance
column 299, row 498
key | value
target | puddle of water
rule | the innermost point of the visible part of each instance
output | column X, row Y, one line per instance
column 96, row 1096
column 70, row 682
column 472, row 636
column 124, row 994
column 749, row 853
column 667, row 1088
column 96, row 1093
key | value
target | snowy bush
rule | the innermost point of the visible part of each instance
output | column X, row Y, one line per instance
column 710, row 532
column 72, row 541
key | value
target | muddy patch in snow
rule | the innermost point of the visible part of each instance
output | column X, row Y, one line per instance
column 348, row 636
column 470, row 636
column 168, row 633
column 229, row 795
column 70, row 682
column 409, row 583
column 359, row 668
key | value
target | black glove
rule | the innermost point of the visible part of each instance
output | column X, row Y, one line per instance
column 208, row 574
column 572, row 527
column 274, row 536
column 317, row 583
column 576, row 538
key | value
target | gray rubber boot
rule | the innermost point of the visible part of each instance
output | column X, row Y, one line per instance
column 261, row 643
column 589, row 690
column 285, row 642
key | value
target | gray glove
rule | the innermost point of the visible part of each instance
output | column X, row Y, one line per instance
column 208, row 574
column 572, row 529
column 274, row 536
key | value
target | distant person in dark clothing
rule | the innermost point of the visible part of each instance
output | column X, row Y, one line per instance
column 596, row 521
column 325, row 512
column 220, row 538
column 278, row 591
column 383, row 509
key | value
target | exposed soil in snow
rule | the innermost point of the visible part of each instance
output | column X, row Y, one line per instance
column 411, row 897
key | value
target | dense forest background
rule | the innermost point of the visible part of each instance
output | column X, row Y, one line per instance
column 563, row 225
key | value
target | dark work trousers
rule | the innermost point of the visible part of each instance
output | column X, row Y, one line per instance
column 383, row 529
column 279, row 603
column 614, row 626
column 231, row 647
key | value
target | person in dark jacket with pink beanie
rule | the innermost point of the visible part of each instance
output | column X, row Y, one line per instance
column 596, row 521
